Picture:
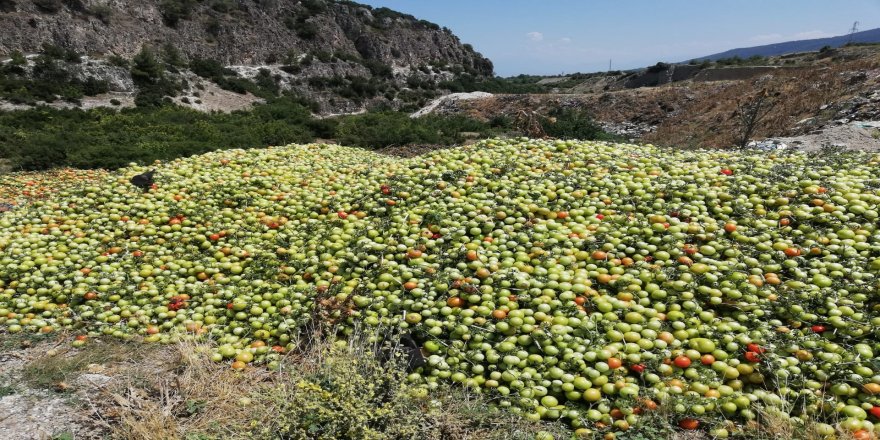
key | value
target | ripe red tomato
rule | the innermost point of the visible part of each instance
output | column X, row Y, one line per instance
column 682, row 362
column 792, row 252
column 875, row 411
column 862, row 434
column 342, row 214
column 818, row 328
column 727, row 171
column 751, row 356
column 600, row 216
column 214, row 237
column 638, row 368
column 755, row 348
column 689, row 424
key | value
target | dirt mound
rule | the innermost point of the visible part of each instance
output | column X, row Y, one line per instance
column 848, row 137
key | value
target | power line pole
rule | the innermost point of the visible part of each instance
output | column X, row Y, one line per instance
column 852, row 31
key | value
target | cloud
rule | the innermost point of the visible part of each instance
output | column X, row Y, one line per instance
column 811, row 35
column 766, row 38
column 535, row 36
column 565, row 40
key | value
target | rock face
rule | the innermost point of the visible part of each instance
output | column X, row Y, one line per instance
column 344, row 56
column 248, row 32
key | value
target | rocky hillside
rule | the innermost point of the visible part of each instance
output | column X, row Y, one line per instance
column 310, row 46
column 815, row 100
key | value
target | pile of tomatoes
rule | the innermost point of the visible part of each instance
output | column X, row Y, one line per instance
column 23, row 187
column 583, row 281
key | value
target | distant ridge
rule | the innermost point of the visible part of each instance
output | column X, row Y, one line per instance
column 869, row 36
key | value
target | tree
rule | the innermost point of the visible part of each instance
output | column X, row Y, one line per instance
column 145, row 68
column 751, row 112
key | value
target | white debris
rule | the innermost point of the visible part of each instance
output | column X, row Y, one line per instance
column 433, row 105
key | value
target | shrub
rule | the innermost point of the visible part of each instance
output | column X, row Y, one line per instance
column 208, row 69
column 50, row 6
column 101, row 12
column 16, row 58
column 378, row 68
column 351, row 395
column 93, row 86
column 118, row 61
column 171, row 56
column 145, row 68
column 574, row 124
column 175, row 10
column 307, row 30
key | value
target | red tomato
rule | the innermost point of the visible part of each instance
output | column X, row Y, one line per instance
column 638, row 368
column 755, row 348
column 342, row 214
column 792, row 252
column 727, row 172
column 751, row 356
column 818, row 328
column 875, row 411
column 862, row 434
column 682, row 362
column 689, row 424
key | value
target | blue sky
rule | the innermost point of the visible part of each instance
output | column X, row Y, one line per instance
column 565, row 36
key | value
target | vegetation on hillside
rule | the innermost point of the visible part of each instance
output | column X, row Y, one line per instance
column 48, row 80
column 44, row 138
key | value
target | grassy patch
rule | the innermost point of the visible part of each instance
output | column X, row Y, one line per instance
column 15, row 341
column 329, row 392
column 7, row 390
column 56, row 368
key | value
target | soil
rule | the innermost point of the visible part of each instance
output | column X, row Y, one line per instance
column 848, row 137
column 30, row 413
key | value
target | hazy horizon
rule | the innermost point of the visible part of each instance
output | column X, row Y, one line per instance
column 567, row 36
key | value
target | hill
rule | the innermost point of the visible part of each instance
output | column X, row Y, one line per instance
column 345, row 55
column 788, row 47
column 830, row 97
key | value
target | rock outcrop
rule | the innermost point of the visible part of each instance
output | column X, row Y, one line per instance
column 249, row 32
column 343, row 55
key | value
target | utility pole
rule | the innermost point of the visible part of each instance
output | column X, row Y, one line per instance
column 852, row 31
column 609, row 64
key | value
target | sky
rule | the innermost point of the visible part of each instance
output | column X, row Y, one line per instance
column 551, row 37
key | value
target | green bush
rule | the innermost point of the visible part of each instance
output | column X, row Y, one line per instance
column 101, row 12
column 574, row 124
column 175, row 10
column 386, row 129
column 351, row 396
column 103, row 138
